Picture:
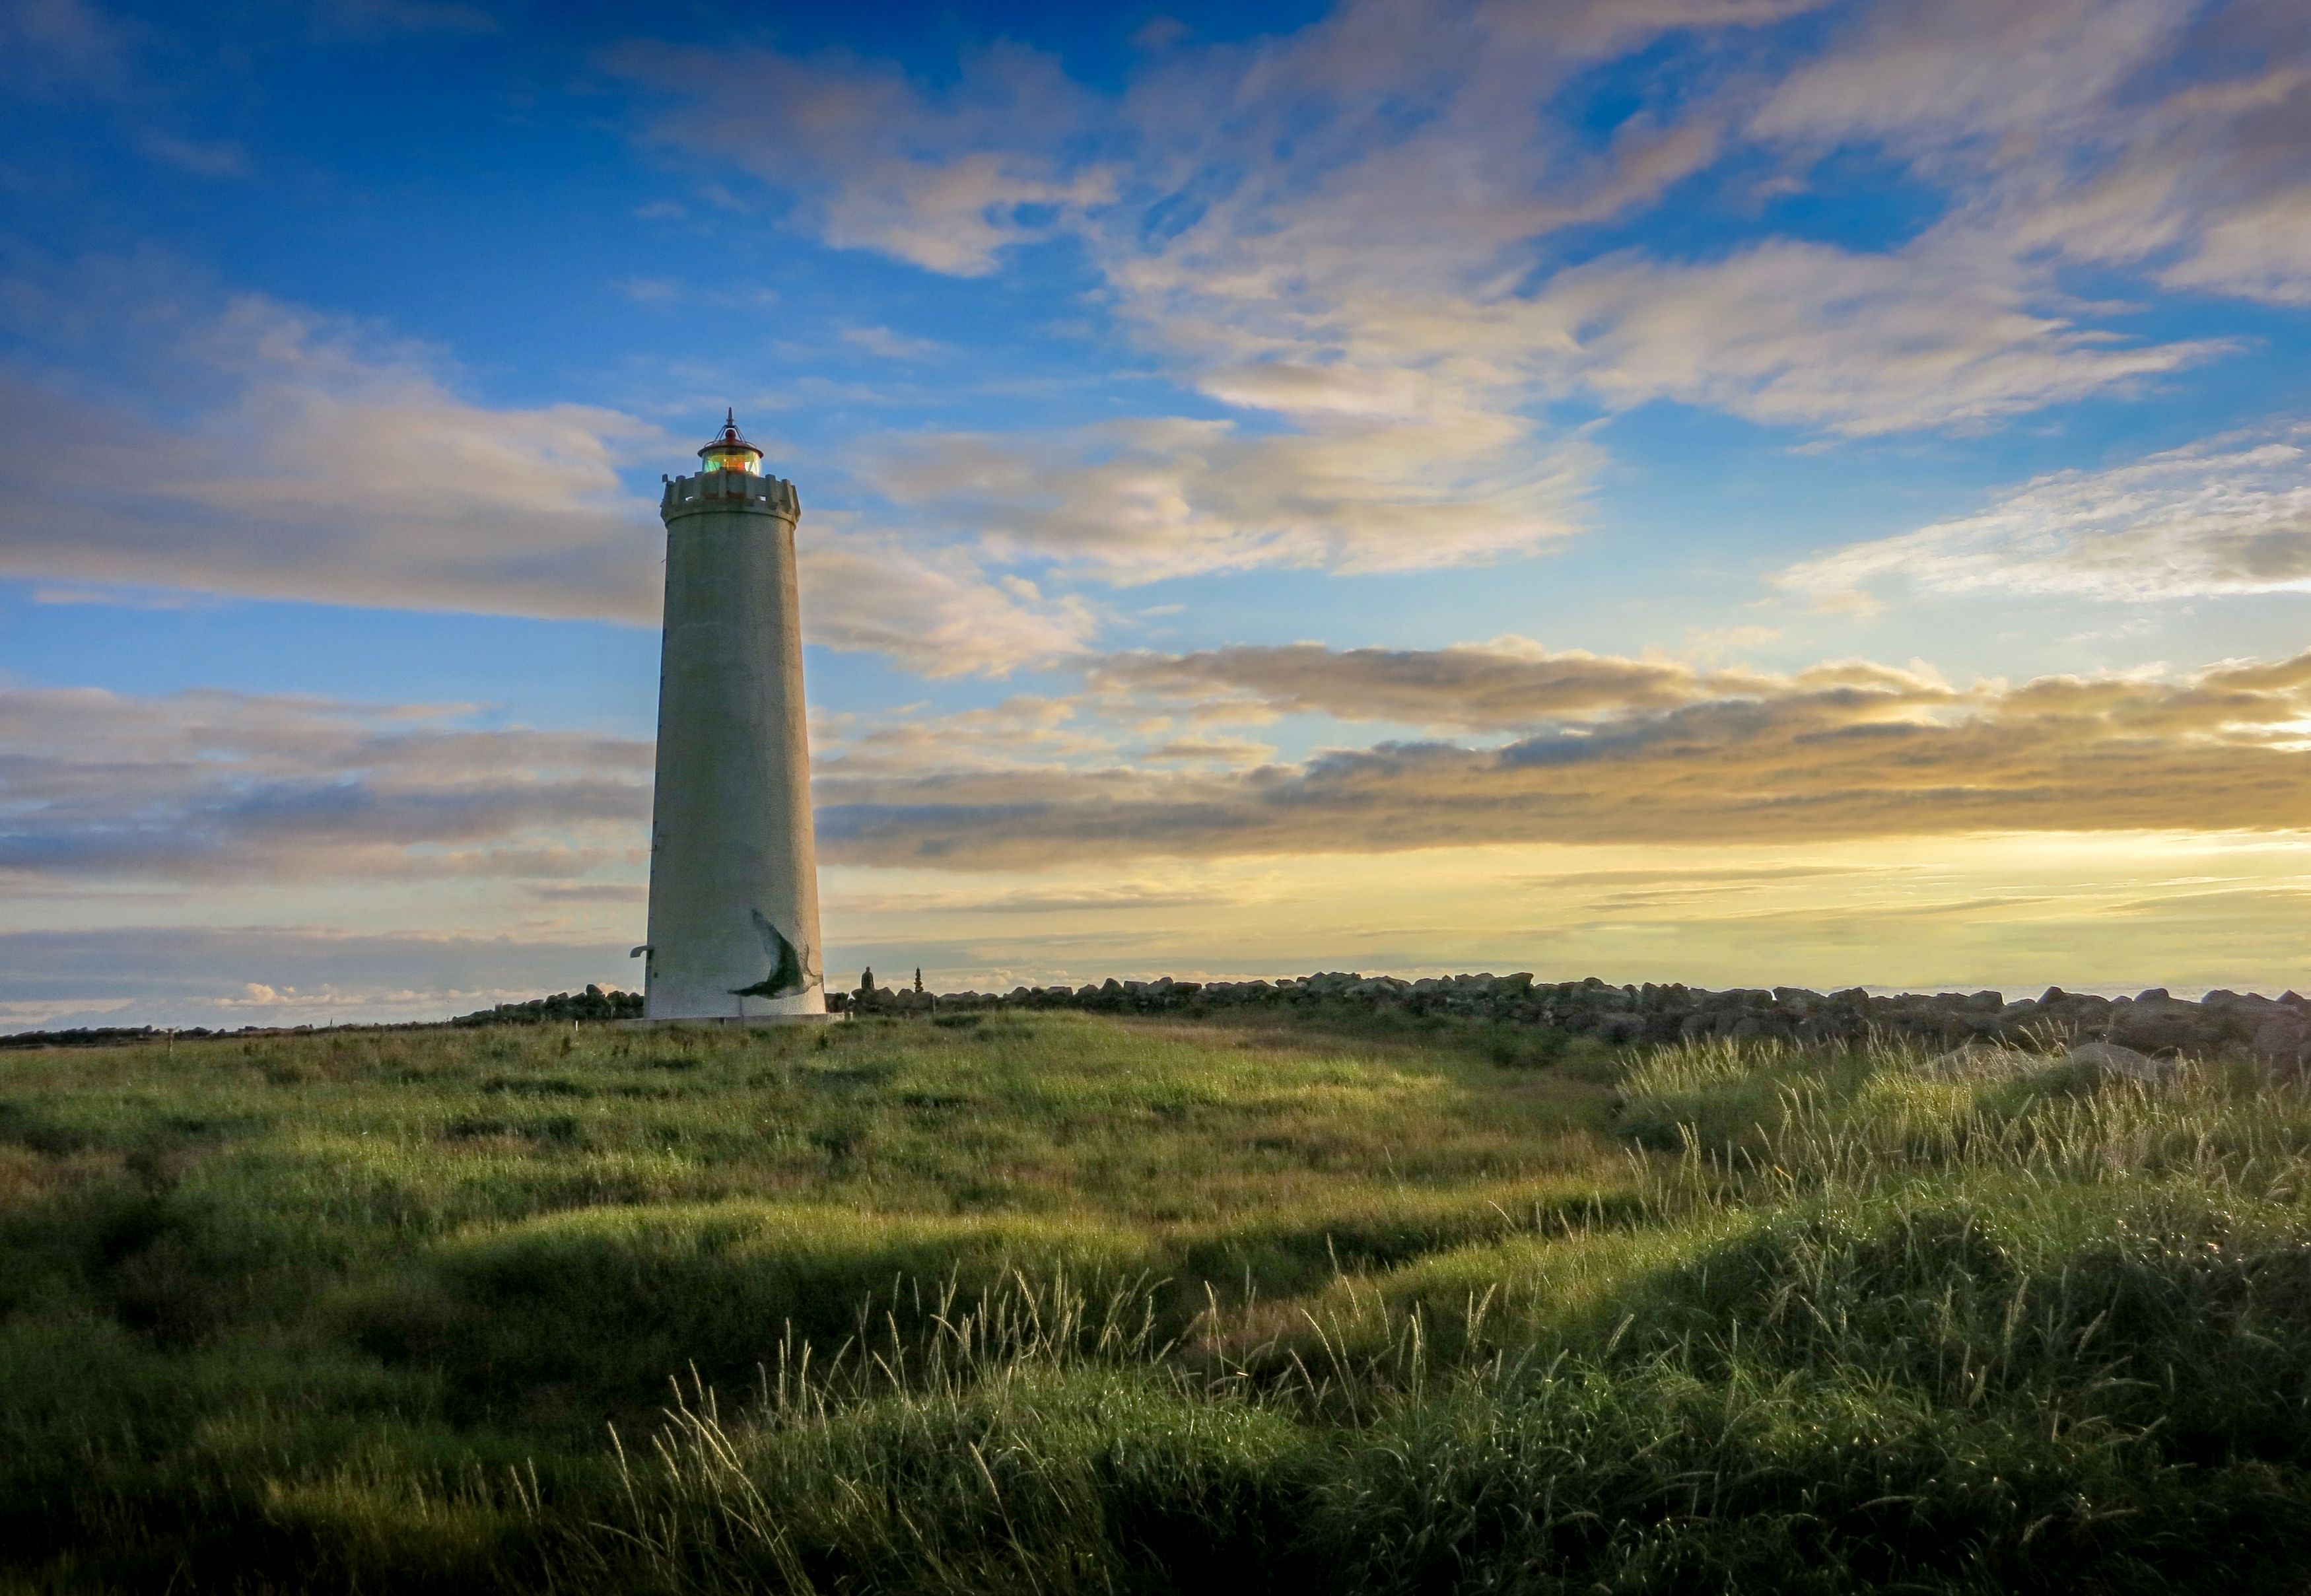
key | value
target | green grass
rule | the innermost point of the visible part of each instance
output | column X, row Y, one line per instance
column 1053, row 1303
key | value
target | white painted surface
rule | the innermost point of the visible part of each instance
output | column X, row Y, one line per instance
column 730, row 838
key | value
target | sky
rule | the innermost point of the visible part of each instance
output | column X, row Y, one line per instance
column 1733, row 492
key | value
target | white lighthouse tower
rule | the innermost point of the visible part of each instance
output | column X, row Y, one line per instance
column 734, row 864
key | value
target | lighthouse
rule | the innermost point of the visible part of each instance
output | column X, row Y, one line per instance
column 734, row 864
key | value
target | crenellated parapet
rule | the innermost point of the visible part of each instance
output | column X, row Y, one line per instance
column 722, row 491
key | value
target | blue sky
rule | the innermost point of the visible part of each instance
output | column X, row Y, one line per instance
column 1731, row 491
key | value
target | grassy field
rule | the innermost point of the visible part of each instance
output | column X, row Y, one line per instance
column 1057, row 1303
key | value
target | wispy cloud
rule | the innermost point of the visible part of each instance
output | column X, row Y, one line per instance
column 933, row 611
column 1139, row 500
column 219, row 158
column 941, row 180
column 891, row 345
column 2227, row 515
column 1943, row 334
column 1364, row 238
column 2155, row 134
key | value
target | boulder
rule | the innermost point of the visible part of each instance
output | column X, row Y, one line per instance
column 2161, row 1025
column 2114, row 1060
column 2283, row 1042
column 1621, row 1028
column 2078, row 1010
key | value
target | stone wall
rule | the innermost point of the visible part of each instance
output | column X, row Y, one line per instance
column 2275, row 1029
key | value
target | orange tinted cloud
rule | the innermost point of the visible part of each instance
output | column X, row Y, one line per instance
column 1840, row 752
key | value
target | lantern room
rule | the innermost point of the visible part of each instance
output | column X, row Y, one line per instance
column 731, row 452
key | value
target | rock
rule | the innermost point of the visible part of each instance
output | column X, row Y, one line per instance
column 2283, row 1042
column 2078, row 1009
column 1621, row 1028
column 2113, row 1059
column 2151, row 1024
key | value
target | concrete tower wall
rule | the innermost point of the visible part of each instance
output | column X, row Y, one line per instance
column 734, row 863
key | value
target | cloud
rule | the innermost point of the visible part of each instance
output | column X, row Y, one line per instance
column 59, row 47
column 2154, row 133
column 1092, row 897
column 319, row 460
column 122, row 597
column 1941, row 335
column 891, row 345
column 942, row 181
column 1326, row 296
column 224, row 787
column 1202, row 750
column 1813, row 773
column 1505, row 684
column 1029, row 731
column 932, row 612
column 2224, row 516
column 1922, row 73
column 1372, row 242
column 1136, row 501
column 220, row 159
column 1840, row 752
column 316, row 460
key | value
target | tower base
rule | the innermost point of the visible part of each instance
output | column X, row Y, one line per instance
column 727, row 1022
